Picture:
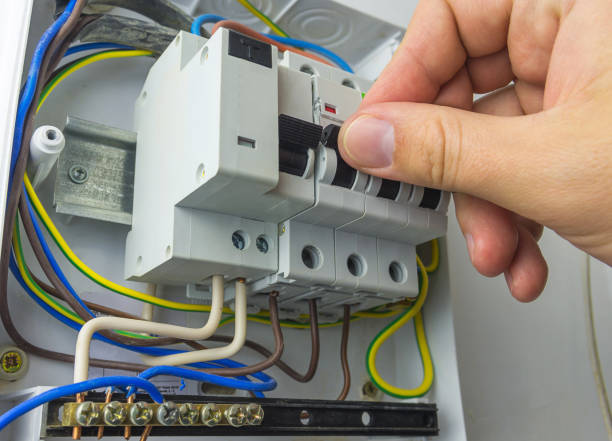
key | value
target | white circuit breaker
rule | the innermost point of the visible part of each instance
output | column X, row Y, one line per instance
column 238, row 173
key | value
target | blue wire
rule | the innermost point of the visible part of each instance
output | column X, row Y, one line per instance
column 315, row 48
column 202, row 19
column 212, row 18
column 92, row 46
column 30, row 87
column 155, row 371
column 73, row 389
column 49, row 254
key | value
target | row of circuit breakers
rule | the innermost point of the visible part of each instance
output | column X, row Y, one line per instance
column 237, row 172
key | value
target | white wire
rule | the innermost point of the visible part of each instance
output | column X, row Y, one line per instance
column 600, row 384
column 81, row 355
column 240, row 310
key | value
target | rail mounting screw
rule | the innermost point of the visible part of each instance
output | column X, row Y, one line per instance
column 255, row 414
column 87, row 414
column 236, row 415
column 211, row 415
column 141, row 413
column 188, row 414
column 114, row 413
column 78, row 174
column 167, row 413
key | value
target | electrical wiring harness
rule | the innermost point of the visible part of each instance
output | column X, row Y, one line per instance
column 203, row 364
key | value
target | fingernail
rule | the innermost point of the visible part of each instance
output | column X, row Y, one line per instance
column 370, row 142
column 469, row 240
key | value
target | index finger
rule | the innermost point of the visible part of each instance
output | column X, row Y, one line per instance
column 441, row 36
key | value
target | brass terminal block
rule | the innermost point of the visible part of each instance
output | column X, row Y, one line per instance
column 167, row 414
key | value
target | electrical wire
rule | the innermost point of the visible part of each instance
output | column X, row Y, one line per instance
column 79, row 264
column 240, row 327
column 73, row 389
column 81, row 354
column 190, row 374
column 314, row 48
column 263, row 17
column 200, row 21
column 600, row 383
column 435, row 257
column 428, row 370
column 243, row 29
column 87, row 61
column 346, row 371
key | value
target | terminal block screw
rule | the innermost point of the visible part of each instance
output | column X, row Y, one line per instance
column 167, row 413
column 236, row 415
column 211, row 415
column 87, row 414
column 114, row 413
column 78, row 174
column 188, row 414
column 255, row 414
column 141, row 413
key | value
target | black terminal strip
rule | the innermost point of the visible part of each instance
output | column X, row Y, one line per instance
column 298, row 135
column 431, row 198
column 249, row 49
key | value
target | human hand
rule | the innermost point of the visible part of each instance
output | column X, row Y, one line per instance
column 510, row 174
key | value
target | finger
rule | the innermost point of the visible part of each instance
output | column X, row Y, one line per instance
column 457, row 92
column 531, row 37
column 530, row 96
column 533, row 227
column 490, row 72
column 490, row 233
column 527, row 274
column 455, row 150
column 441, row 35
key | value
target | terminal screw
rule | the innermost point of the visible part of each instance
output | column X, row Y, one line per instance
column 188, row 414
column 255, row 414
column 167, row 413
column 114, row 413
column 141, row 413
column 78, row 174
column 87, row 414
column 235, row 415
column 211, row 415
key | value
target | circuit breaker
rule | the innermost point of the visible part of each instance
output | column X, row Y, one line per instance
column 238, row 173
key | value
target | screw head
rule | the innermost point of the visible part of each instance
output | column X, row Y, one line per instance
column 141, row 413
column 188, row 414
column 87, row 414
column 78, row 174
column 255, row 414
column 211, row 415
column 114, row 413
column 236, row 415
column 167, row 413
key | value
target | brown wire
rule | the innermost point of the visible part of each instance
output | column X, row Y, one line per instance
column 343, row 353
column 243, row 29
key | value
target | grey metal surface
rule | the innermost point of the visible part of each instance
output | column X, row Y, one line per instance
column 107, row 156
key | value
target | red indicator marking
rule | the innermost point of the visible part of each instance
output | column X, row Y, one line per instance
column 329, row 108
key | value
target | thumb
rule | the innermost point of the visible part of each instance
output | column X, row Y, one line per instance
column 446, row 148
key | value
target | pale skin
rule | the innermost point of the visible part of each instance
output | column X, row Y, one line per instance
column 536, row 152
